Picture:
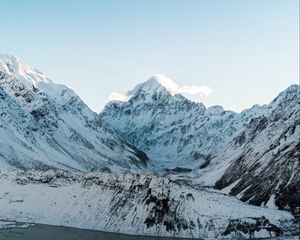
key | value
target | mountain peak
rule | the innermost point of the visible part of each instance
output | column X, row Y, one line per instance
column 9, row 58
column 292, row 92
column 154, row 84
column 13, row 65
column 16, row 75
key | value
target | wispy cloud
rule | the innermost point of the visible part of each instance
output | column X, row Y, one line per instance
column 174, row 88
column 115, row 96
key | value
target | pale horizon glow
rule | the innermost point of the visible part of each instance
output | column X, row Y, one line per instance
column 232, row 53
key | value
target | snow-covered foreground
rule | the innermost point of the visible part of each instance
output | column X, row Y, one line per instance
column 134, row 204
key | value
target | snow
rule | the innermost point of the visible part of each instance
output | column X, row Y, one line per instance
column 196, row 138
column 235, row 152
column 46, row 125
column 153, row 118
column 271, row 203
column 12, row 224
column 160, row 82
column 152, row 85
column 122, row 203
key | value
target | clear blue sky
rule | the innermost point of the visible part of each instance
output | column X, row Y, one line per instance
column 245, row 50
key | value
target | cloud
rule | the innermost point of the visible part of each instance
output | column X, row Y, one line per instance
column 115, row 96
column 174, row 88
column 171, row 86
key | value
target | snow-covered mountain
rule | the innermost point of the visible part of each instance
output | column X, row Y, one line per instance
column 200, row 157
column 154, row 119
column 45, row 125
column 253, row 154
column 190, row 135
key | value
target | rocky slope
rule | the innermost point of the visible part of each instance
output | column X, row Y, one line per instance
column 45, row 125
column 267, row 169
column 135, row 204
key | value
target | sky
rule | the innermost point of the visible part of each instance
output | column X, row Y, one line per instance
column 243, row 52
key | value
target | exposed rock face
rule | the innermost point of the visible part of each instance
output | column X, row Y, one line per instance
column 269, row 163
column 44, row 125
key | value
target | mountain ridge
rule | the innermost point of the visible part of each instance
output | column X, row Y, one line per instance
column 46, row 125
column 150, row 101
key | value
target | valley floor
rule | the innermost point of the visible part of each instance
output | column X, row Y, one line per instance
column 135, row 204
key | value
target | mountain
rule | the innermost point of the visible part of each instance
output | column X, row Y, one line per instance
column 190, row 134
column 154, row 119
column 45, row 125
column 267, row 169
column 163, row 154
column 253, row 155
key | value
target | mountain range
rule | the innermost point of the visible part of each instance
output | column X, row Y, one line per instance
column 253, row 155
column 256, row 152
